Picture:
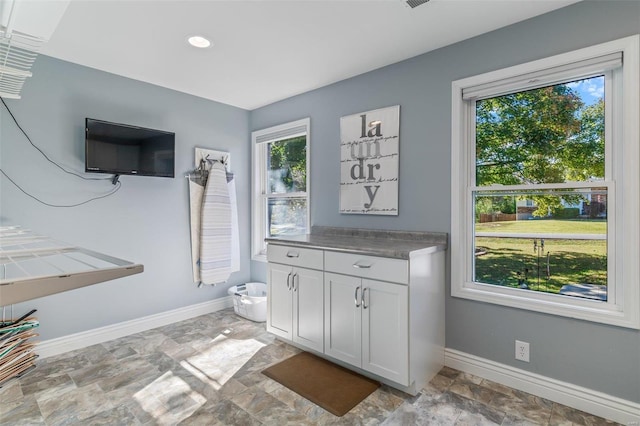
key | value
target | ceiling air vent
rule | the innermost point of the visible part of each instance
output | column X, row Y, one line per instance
column 415, row 3
column 18, row 51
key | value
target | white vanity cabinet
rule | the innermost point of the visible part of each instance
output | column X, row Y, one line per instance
column 295, row 288
column 370, row 301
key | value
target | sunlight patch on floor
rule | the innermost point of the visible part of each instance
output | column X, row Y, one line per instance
column 215, row 366
column 169, row 399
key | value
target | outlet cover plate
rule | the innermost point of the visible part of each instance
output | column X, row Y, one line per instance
column 522, row 351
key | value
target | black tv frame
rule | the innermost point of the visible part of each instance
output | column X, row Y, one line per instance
column 115, row 172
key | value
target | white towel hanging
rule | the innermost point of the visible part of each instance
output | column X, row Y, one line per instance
column 215, row 234
column 235, row 230
column 196, row 192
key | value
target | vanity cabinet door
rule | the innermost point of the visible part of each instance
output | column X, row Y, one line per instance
column 385, row 330
column 295, row 306
column 308, row 308
column 342, row 316
column 279, row 300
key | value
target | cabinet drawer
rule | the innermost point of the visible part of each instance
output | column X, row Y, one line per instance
column 296, row 256
column 377, row 268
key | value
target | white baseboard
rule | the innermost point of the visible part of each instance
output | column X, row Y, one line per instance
column 81, row 340
column 590, row 401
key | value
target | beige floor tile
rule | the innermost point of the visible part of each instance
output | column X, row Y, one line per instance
column 208, row 371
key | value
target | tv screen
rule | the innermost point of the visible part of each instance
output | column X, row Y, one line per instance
column 121, row 149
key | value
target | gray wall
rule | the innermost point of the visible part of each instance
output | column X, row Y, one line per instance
column 146, row 221
column 599, row 357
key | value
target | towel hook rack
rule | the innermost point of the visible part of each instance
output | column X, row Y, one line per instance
column 202, row 172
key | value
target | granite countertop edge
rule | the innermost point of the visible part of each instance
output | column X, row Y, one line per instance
column 392, row 244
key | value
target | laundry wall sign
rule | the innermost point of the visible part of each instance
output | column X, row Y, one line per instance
column 369, row 148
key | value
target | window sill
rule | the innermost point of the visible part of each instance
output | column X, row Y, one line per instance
column 564, row 306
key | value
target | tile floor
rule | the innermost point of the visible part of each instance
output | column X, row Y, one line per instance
column 206, row 371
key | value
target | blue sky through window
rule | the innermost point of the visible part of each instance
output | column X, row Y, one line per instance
column 590, row 90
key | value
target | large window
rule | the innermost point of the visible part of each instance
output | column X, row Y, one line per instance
column 280, row 183
column 545, row 191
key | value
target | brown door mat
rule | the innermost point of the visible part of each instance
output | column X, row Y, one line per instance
column 324, row 383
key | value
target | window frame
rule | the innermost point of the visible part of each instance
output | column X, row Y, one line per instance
column 622, row 177
column 260, row 195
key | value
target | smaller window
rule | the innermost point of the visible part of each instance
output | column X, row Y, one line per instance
column 280, row 183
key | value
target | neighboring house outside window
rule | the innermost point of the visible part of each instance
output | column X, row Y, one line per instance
column 280, row 183
column 545, row 185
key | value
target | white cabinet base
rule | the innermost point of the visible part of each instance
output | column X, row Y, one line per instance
column 393, row 333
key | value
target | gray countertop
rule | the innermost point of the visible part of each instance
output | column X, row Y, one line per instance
column 393, row 244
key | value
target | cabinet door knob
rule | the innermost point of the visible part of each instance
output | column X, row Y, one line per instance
column 293, row 281
column 356, row 296
column 293, row 254
column 289, row 281
column 364, row 303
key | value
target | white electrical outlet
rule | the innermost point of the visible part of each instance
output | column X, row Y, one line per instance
column 522, row 351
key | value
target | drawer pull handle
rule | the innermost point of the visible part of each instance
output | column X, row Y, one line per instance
column 293, row 254
column 356, row 296
column 289, row 281
column 364, row 303
column 361, row 266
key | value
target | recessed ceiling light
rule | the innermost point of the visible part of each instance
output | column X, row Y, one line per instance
column 199, row 41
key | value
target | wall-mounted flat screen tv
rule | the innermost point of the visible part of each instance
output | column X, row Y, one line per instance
column 121, row 149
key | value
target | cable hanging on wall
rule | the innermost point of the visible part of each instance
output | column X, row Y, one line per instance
column 113, row 191
column 42, row 152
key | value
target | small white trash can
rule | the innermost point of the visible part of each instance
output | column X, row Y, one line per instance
column 250, row 301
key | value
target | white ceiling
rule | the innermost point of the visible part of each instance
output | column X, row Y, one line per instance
column 265, row 50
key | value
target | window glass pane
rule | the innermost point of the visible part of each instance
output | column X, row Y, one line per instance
column 286, row 216
column 549, row 241
column 552, row 134
column 287, row 165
